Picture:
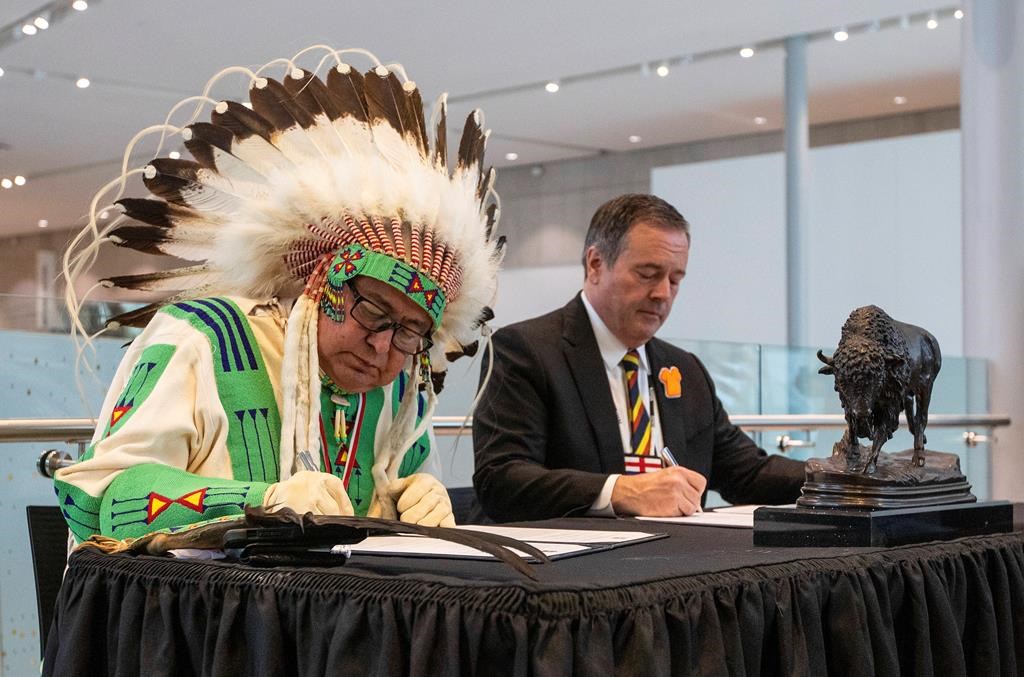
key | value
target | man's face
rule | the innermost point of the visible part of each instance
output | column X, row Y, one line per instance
column 634, row 295
column 357, row 359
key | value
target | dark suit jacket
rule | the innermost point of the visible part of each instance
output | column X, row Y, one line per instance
column 546, row 434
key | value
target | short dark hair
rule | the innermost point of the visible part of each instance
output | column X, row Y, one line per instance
column 612, row 221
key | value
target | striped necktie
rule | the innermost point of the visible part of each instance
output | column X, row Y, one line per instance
column 639, row 421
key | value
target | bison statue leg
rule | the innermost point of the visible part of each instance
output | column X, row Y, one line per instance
column 922, row 398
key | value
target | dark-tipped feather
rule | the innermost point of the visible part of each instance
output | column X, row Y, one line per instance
column 416, row 125
column 139, row 317
column 206, row 137
column 348, row 91
column 242, row 122
column 385, row 100
column 276, row 106
column 310, row 93
column 492, row 218
column 177, row 279
column 441, row 138
column 471, row 145
column 154, row 212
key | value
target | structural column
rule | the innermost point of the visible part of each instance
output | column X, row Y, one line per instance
column 797, row 143
column 992, row 124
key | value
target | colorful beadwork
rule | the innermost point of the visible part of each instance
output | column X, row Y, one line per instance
column 354, row 259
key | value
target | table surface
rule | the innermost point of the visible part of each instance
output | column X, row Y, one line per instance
column 742, row 609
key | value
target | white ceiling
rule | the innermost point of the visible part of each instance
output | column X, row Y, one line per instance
column 143, row 56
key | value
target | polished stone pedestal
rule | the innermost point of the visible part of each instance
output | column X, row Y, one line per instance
column 812, row 527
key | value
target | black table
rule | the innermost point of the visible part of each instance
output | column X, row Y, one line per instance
column 703, row 601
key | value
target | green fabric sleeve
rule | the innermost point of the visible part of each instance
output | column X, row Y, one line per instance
column 151, row 496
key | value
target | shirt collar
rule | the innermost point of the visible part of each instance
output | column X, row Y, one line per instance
column 611, row 348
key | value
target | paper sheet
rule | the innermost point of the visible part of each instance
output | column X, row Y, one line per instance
column 535, row 534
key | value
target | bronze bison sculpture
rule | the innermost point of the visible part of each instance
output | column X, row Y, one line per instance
column 881, row 367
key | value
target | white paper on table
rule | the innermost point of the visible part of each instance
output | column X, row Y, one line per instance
column 710, row 519
column 539, row 535
column 422, row 546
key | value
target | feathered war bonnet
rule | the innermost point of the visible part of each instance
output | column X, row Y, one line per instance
column 317, row 180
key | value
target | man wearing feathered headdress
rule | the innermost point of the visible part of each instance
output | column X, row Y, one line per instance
column 326, row 191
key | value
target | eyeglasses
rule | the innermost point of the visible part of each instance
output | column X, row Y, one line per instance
column 373, row 318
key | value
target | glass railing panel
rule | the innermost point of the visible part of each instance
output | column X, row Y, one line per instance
column 48, row 315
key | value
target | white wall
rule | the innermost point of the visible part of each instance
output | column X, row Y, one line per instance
column 884, row 228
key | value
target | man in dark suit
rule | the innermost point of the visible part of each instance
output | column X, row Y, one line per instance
column 566, row 423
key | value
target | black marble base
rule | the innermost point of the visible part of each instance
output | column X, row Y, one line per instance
column 814, row 527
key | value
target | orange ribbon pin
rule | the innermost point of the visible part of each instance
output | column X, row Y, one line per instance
column 671, row 381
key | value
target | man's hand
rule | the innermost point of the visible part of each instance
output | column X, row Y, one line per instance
column 422, row 499
column 665, row 493
column 307, row 491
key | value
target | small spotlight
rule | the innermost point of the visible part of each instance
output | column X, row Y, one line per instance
column 43, row 223
column 174, row 155
column 41, row 23
column 6, row 183
column 841, row 35
column 662, row 70
column 747, row 52
column 1, row 72
column 633, row 138
column 958, row 14
column 760, row 120
column 82, row 83
column 79, row 5
column 899, row 100
column 552, row 87
column 933, row 22
column 19, row 180
column 511, row 156
column 29, row 29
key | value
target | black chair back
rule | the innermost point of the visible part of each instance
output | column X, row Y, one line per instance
column 48, row 536
column 466, row 508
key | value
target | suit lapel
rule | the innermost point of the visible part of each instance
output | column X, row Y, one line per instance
column 670, row 409
column 591, row 382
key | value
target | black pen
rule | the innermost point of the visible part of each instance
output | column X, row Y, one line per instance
column 668, row 460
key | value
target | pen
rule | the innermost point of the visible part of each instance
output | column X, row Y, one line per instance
column 307, row 460
column 668, row 460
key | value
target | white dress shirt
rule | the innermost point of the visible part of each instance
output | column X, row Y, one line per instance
column 612, row 351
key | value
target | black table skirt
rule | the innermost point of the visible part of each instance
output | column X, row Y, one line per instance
column 704, row 601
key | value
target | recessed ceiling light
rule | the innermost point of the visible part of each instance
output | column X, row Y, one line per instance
column 933, row 21
column 19, row 180
column 29, row 29
column 633, row 138
column 662, row 70
column 747, row 52
column 43, row 223
column 511, row 156
column 552, row 87
column 841, row 35
column 958, row 14
column 41, row 23
column 174, row 155
column 82, row 83
column 1, row 72
column 899, row 100
column 80, row 5
column 6, row 183
column 760, row 120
